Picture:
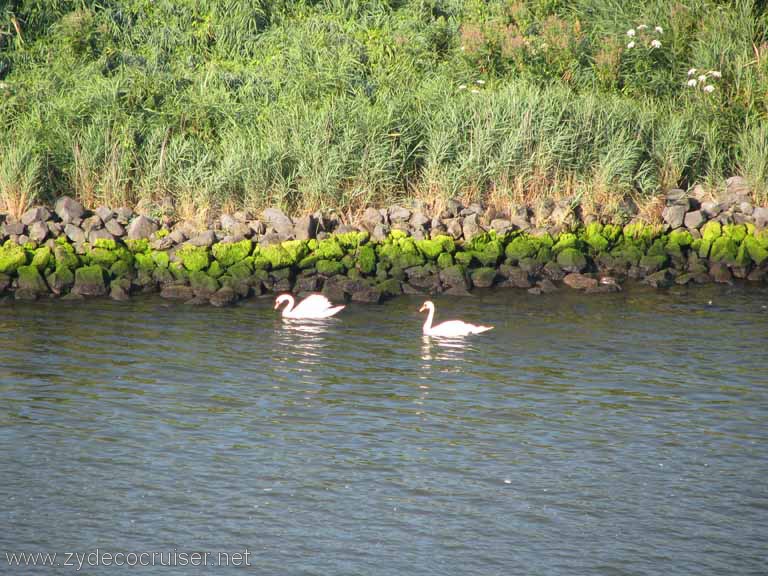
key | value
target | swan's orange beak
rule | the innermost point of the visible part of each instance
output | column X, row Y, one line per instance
column 277, row 305
column 423, row 307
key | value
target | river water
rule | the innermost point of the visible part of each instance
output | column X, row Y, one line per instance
column 607, row 434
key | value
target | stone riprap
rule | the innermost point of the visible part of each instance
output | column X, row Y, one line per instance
column 74, row 253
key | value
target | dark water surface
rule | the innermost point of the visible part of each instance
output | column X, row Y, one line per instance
column 617, row 434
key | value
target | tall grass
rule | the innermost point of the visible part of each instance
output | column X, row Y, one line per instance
column 199, row 105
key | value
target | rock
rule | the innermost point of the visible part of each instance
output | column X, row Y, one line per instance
column 205, row 239
column 694, row 220
column 454, row 276
column 536, row 291
column 501, row 226
column 5, row 282
column 546, row 286
column 333, row 288
column 305, row 228
column 759, row 274
column 572, row 260
column 308, row 283
column 123, row 215
column 38, row 231
column 224, row 296
column 515, row 276
column 368, row 294
column 399, row 214
column 736, row 191
column 553, row 271
column 68, row 209
column 453, row 228
column 370, row 219
column 30, row 283
column 720, row 273
column 227, row 221
column 454, row 291
column 711, row 209
column 99, row 234
column 380, row 233
column 660, row 279
column 418, row 221
column 36, row 214
column 105, row 214
column 142, row 227
column 177, row 292
column 483, row 277
column 745, row 207
column 74, row 233
column 60, row 280
column 115, row 228
column 178, row 236
column 423, row 278
column 470, row 227
column 89, row 281
column 578, row 281
column 13, row 228
column 257, row 227
column 118, row 291
column 674, row 215
column 760, row 216
column 677, row 197
column 277, row 219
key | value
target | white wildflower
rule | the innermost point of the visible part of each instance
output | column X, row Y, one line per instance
column 692, row 71
column 715, row 73
column 659, row 29
column 655, row 44
column 462, row 87
column 631, row 32
column 709, row 88
column 475, row 91
column 692, row 82
column 480, row 82
column 702, row 78
column 643, row 27
column 631, row 44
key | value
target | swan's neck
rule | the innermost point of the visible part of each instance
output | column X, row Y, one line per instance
column 430, row 317
column 289, row 305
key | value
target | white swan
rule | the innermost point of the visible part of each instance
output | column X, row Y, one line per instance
column 313, row 306
column 451, row 328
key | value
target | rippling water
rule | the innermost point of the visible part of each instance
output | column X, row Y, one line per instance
column 616, row 434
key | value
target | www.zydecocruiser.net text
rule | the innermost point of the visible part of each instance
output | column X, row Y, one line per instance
column 97, row 557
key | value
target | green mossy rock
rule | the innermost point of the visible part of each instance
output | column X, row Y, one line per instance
column 572, row 260
column 724, row 249
column 679, row 237
column 711, row 231
column 756, row 252
column 465, row 259
column 483, row 277
column 277, row 256
column 232, row 252
column 106, row 243
column 445, row 260
column 297, row 249
column 329, row 249
column 653, row 262
column 103, row 257
column 12, row 256
column 432, row 249
column 366, row 259
column 90, row 281
column 390, row 288
column 611, row 232
column 308, row 261
column 351, row 240
column 455, row 277
column 65, row 256
column 408, row 260
column 161, row 258
column 543, row 256
column 135, row 246
column 31, row 281
column 202, row 283
column 260, row 262
column 241, row 271
column 742, row 256
column 348, row 261
column 657, row 248
column 543, row 239
column 565, row 241
column 329, row 267
column 121, row 269
column 144, row 262
column 491, row 253
column 179, row 272
column 194, row 258
column 215, row 270
column 736, row 232
column 60, row 280
column 159, row 275
column 42, row 258
column 398, row 234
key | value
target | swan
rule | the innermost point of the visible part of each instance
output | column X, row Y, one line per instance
column 451, row 328
column 313, row 306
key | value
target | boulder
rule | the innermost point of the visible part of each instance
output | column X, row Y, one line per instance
column 115, row 228
column 661, row 279
column 36, row 214
column 368, row 294
column 118, row 290
column 720, row 273
column 579, row 281
column 142, row 227
column 674, row 215
column 13, row 228
column 74, row 233
column 399, row 214
column 572, row 260
column 38, row 231
column 454, row 276
column 278, row 220
column 694, row 220
column 99, row 234
column 305, row 228
column 89, row 281
column 30, row 283
column 546, row 286
column 483, row 277
column 68, row 209
column 177, row 292
column 470, row 227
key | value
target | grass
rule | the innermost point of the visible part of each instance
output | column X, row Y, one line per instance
column 200, row 105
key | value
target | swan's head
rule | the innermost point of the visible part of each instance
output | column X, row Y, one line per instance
column 282, row 299
column 428, row 305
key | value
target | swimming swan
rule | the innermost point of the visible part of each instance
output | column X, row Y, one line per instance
column 313, row 306
column 451, row 328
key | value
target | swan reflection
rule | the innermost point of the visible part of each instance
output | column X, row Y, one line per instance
column 302, row 343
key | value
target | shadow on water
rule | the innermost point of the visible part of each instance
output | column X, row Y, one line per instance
column 612, row 434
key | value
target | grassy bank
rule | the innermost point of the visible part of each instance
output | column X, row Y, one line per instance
column 200, row 105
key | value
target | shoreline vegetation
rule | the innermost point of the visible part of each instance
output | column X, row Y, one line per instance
column 73, row 253
column 186, row 110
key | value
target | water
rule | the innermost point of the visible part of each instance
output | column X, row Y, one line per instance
column 615, row 434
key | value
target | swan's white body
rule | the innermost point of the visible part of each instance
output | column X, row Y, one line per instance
column 313, row 306
column 451, row 328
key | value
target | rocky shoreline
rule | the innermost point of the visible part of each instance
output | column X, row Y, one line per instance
column 73, row 253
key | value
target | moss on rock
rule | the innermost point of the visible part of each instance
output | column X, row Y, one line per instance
column 161, row 258
column 445, row 260
column 89, row 281
column 60, row 280
column 12, row 256
column 756, row 252
column 572, row 260
column 366, row 259
column 232, row 252
column 30, row 280
column 193, row 258
column 43, row 258
column 329, row 267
